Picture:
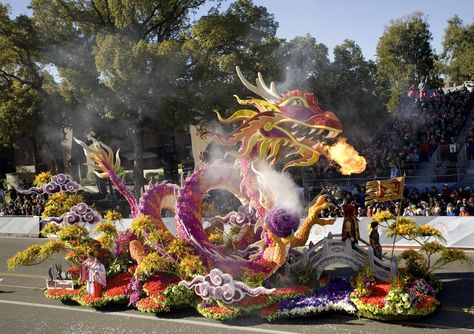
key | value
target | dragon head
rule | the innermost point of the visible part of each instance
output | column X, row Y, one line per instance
column 291, row 126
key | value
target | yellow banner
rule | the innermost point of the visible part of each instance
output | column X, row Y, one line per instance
column 384, row 190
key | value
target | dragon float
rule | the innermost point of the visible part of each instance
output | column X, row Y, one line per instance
column 237, row 273
column 292, row 123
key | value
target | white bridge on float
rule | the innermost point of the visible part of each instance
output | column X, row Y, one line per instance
column 332, row 250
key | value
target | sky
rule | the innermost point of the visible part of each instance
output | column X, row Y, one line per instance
column 332, row 21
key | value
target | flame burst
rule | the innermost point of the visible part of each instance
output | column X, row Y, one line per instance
column 346, row 157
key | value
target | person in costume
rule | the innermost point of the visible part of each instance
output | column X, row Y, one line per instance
column 374, row 239
column 350, row 225
column 93, row 272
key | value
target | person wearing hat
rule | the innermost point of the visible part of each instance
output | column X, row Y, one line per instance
column 350, row 225
column 374, row 240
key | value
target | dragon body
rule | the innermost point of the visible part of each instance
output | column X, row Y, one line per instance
column 292, row 127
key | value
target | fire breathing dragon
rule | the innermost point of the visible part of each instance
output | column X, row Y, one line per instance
column 291, row 126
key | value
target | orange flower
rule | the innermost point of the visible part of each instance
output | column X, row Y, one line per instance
column 148, row 303
column 219, row 309
column 62, row 292
column 89, row 299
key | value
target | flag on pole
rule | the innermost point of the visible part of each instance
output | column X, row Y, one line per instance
column 384, row 190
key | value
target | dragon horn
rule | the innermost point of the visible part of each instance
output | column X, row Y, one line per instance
column 269, row 94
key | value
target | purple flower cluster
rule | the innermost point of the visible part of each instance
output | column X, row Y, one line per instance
column 122, row 243
column 338, row 290
column 134, row 290
column 281, row 222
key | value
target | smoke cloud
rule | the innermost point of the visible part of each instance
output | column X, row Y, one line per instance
column 279, row 188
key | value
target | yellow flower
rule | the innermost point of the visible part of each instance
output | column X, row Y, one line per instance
column 51, row 228
column 382, row 216
column 112, row 215
column 179, row 248
column 160, row 237
column 216, row 238
column 191, row 266
column 105, row 240
column 42, row 178
column 142, row 224
column 72, row 232
column 429, row 231
column 152, row 263
column 35, row 254
column 107, row 228
column 60, row 203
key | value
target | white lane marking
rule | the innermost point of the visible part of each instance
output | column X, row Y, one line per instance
column 43, row 277
column 140, row 316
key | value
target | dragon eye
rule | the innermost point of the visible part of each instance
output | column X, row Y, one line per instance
column 297, row 103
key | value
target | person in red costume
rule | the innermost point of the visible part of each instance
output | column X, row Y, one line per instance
column 93, row 272
column 350, row 225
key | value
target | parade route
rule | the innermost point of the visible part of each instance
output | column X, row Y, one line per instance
column 24, row 309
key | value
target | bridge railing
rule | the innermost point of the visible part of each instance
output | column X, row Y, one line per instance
column 332, row 246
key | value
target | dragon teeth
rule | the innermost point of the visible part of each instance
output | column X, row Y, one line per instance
column 294, row 133
column 331, row 134
column 319, row 131
column 315, row 146
column 294, row 126
column 312, row 131
column 300, row 139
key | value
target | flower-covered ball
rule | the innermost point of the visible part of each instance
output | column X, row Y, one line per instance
column 282, row 223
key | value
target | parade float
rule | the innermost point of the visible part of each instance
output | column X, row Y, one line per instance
column 252, row 262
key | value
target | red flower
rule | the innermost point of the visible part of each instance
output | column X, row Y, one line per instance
column 155, row 288
column 427, row 302
column 378, row 301
column 119, row 280
column 117, row 291
column 74, row 271
column 269, row 310
column 252, row 301
column 292, row 290
column 380, row 288
column 378, row 293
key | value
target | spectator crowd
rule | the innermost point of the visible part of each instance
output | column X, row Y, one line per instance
column 428, row 201
column 23, row 204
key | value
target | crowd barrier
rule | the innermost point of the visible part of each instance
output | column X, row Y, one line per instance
column 458, row 231
column 20, row 226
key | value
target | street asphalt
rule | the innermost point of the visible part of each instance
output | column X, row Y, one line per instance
column 24, row 309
